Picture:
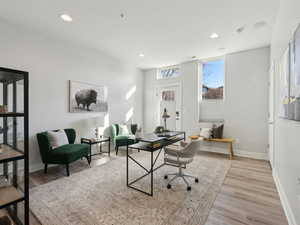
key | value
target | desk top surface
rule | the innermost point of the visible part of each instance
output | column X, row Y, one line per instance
column 153, row 142
column 152, row 137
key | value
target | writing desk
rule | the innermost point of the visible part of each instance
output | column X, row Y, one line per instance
column 151, row 143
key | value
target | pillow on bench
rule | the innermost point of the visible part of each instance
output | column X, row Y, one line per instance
column 213, row 131
column 217, row 131
column 205, row 132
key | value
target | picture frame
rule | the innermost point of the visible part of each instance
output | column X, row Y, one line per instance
column 87, row 98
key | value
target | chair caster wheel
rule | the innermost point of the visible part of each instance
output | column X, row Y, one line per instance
column 189, row 188
column 196, row 180
column 166, row 177
column 169, row 186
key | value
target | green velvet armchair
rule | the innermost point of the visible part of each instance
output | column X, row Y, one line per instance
column 64, row 154
column 120, row 139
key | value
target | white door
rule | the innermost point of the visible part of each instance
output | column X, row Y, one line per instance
column 271, row 114
column 169, row 98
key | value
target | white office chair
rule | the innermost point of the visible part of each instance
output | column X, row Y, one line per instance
column 179, row 156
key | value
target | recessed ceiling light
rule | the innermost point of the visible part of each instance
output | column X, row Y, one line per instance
column 240, row 29
column 214, row 35
column 66, row 18
column 141, row 55
column 260, row 24
column 222, row 49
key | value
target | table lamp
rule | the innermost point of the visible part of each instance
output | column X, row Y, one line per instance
column 165, row 116
column 98, row 123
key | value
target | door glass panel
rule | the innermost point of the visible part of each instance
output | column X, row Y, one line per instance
column 168, row 102
column 168, row 95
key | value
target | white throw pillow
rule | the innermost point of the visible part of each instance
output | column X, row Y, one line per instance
column 129, row 129
column 205, row 132
column 123, row 129
column 57, row 138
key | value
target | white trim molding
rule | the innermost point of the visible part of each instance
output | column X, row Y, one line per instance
column 174, row 67
column 252, row 155
column 236, row 152
column 284, row 200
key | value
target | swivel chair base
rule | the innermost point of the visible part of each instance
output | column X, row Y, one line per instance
column 181, row 175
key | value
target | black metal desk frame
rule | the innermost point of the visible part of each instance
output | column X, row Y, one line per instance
column 149, row 146
column 91, row 142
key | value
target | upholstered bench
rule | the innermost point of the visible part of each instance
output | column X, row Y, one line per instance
column 229, row 141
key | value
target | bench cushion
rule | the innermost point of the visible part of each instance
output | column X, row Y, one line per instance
column 224, row 140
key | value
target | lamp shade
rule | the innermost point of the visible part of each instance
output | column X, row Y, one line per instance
column 165, row 114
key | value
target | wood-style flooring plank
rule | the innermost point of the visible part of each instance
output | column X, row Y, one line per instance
column 248, row 196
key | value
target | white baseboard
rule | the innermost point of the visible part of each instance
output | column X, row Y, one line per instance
column 40, row 166
column 284, row 200
column 36, row 167
column 253, row 155
column 237, row 152
column 32, row 168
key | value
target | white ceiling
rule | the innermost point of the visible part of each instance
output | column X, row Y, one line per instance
column 166, row 31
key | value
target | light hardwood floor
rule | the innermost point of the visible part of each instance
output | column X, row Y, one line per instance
column 248, row 195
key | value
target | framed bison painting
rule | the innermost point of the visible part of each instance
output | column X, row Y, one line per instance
column 86, row 97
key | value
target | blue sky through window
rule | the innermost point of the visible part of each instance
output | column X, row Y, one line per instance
column 213, row 74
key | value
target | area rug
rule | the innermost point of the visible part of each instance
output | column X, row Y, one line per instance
column 99, row 195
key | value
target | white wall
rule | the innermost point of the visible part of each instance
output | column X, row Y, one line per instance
column 51, row 63
column 287, row 152
column 246, row 99
column 244, row 109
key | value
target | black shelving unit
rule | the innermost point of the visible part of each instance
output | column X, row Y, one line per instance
column 14, row 134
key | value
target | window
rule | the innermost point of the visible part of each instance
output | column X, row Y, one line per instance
column 168, row 72
column 213, row 79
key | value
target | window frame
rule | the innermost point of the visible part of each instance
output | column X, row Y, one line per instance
column 158, row 73
column 200, row 77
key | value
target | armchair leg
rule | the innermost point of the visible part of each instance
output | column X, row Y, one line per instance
column 117, row 149
column 46, row 168
column 88, row 159
column 67, row 168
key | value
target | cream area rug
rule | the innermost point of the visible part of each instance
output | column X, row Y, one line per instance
column 99, row 195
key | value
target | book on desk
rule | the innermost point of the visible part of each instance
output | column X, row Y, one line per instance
column 154, row 141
